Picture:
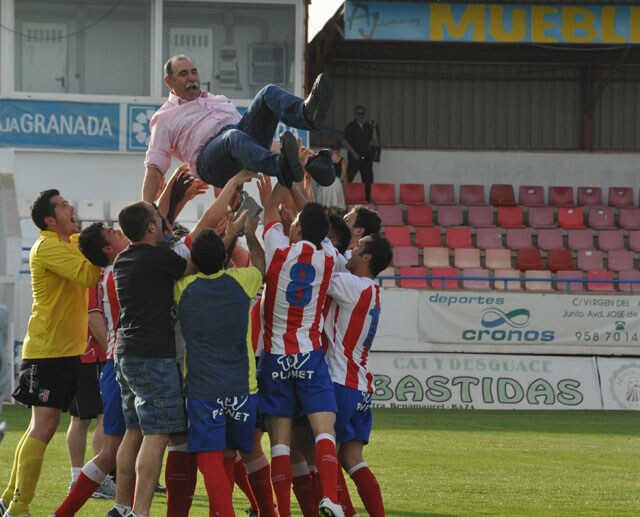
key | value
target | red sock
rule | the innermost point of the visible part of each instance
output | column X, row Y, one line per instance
column 80, row 493
column 180, row 476
column 303, row 490
column 317, row 487
column 281, row 479
column 369, row 491
column 260, row 481
column 327, row 465
column 219, row 490
column 343, row 495
column 229, row 468
column 242, row 481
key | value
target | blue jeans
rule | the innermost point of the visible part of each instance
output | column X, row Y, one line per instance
column 247, row 144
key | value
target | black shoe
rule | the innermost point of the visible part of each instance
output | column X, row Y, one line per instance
column 288, row 162
column 160, row 489
column 317, row 104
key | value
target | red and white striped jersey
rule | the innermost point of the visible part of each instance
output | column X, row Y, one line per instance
column 111, row 307
column 350, row 326
column 297, row 280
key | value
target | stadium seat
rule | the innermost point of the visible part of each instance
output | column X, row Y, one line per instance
column 561, row 196
column 589, row 196
column 510, row 217
column 398, row 235
column 621, row 197
column 634, row 240
column 601, row 218
column 629, row 218
column 610, row 240
column 629, row 287
column 489, row 238
column 388, row 282
column 472, row 195
column 518, row 238
column 458, row 238
column 413, row 283
column 354, row 194
column 383, row 193
column 466, row 258
column 479, row 283
column 602, row 285
column 412, row 193
column 590, row 260
column 444, row 283
column 480, row 216
column 531, row 195
column 620, row 260
column 559, row 259
column 435, row 257
column 529, row 258
column 502, row 194
column 404, row 256
column 114, row 208
column 442, row 194
column 580, row 240
column 542, row 217
column 542, row 282
column 570, row 217
column 497, row 258
column 24, row 208
column 576, row 283
column 501, row 280
column 428, row 237
column 451, row 215
column 419, row 215
column 550, row 238
column 391, row 215
column 90, row 210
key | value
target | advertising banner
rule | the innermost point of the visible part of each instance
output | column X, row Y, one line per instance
column 483, row 381
column 620, row 381
column 519, row 318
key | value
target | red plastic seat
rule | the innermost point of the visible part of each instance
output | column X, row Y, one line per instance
column 531, row 195
column 570, row 217
column 620, row 260
column 472, row 195
column 419, row 215
column 601, row 218
column 510, row 217
column 634, row 240
column 480, row 216
column 561, row 196
column 629, row 287
column 458, row 238
column 529, row 258
column 451, row 215
column 497, row 258
column 629, row 218
column 518, row 238
column 621, row 197
column 391, row 215
column 428, row 237
column 502, row 194
column 589, row 196
column 576, row 284
column 507, row 279
column 580, row 240
column 354, row 194
column 559, row 259
column 466, row 258
column 412, row 193
column 435, row 257
column 413, row 283
column 489, row 238
column 383, row 193
column 442, row 194
column 537, row 280
column 398, row 235
column 404, row 256
column 444, row 283
column 550, row 238
column 388, row 282
column 542, row 217
column 476, row 283
column 601, row 286
column 610, row 240
column 590, row 260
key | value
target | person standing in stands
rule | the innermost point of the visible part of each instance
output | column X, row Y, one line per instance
column 56, row 337
column 359, row 136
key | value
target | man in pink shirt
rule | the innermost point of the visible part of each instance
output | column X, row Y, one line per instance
column 207, row 132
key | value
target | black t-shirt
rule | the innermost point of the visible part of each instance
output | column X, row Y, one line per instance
column 144, row 277
column 359, row 137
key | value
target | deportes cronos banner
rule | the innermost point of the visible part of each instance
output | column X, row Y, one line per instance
column 519, row 318
column 479, row 381
column 620, row 382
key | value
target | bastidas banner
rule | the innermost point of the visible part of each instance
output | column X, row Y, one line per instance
column 620, row 382
column 518, row 318
column 479, row 381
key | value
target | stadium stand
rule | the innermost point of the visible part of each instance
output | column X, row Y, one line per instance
column 621, row 197
column 502, row 194
column 609, row 240
column 383, row 193
column 458, row 237
column 442, row 194
column 428, row 237
column 601, row 218
column 510, row 217
column 450, row 215
column 435, row 257
column 354, row 194
column 412, row 194
column 472, row 195
column 531, row 195
column 391, row 215
column 542, row 217
column 589, row 196
column 444, row 283
column 419, row 215
column 489, row 238
column 570, row 217
column 561, row 196
column 550, row 238
column 480, row 216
